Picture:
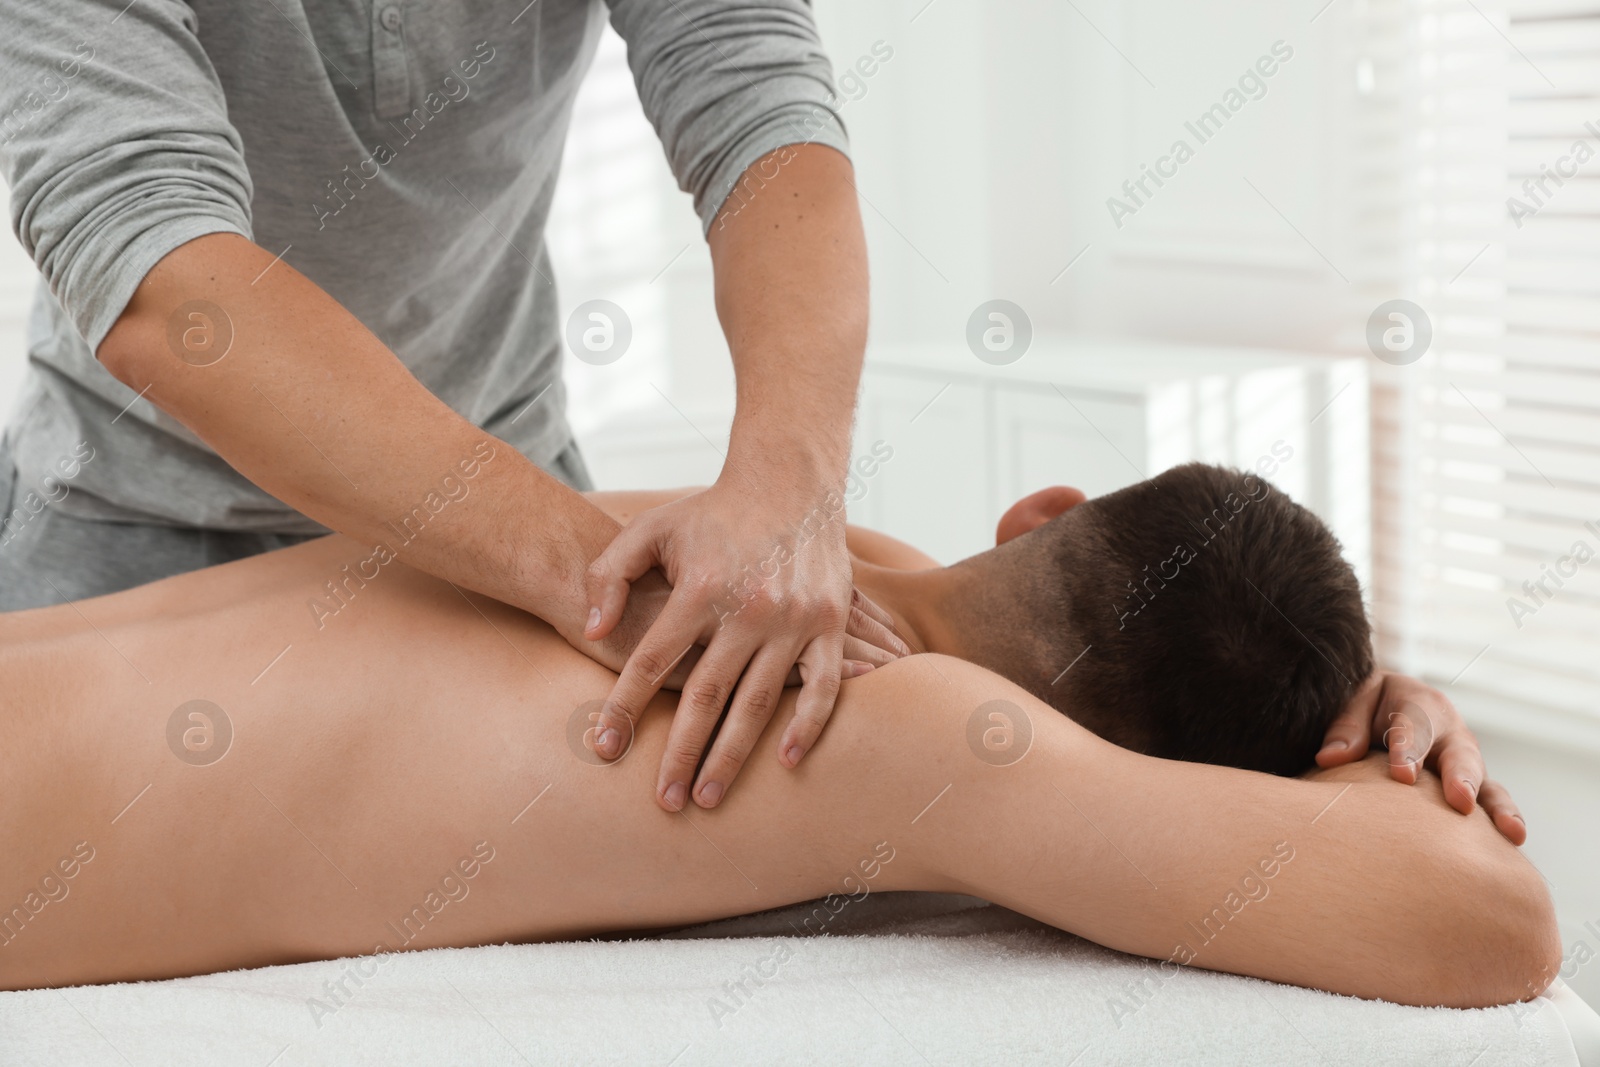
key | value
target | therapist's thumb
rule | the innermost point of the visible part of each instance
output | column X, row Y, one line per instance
column 627, row 558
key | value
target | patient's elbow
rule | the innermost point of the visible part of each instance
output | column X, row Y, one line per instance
column 1529, row 929
column 1509, row 948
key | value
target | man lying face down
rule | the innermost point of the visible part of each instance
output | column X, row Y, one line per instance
column 1201, row 615
column 367, row 757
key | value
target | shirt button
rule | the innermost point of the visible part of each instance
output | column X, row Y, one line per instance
column 390, row 19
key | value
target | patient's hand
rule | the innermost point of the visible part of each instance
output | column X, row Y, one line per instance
column 1421, row 729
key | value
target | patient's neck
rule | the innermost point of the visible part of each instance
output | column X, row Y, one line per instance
column 949, row 610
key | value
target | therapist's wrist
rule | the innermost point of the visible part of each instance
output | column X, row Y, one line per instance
column 554, row 569
column 788, row 463
column 545, row 535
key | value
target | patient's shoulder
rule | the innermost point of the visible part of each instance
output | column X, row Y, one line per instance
column 937, row 672
column 880, row 549
column 931, row 690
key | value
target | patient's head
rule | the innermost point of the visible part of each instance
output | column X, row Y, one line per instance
column 1222, row 624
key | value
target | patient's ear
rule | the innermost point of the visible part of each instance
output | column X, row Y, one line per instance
column 1036, row 509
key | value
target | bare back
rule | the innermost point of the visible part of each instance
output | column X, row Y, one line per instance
column 417, row 727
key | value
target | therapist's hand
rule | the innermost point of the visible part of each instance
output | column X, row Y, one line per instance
column 1420, row 728
column 761, row 578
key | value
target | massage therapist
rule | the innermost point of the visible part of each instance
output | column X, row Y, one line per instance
column 295, row 280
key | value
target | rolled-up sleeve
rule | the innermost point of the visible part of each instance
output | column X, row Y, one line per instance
column 725, row 83
column 116, row 145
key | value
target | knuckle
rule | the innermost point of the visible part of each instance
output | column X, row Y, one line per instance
column 684, row 752
column 708, row 695
column 759, row 703
column 834, row 616
column 766, row 601
column 808, row 727
column 877, row 657
column 620, row 712
column 724, row 766
column 701, row 585
column 652, row 662
column 826, row 689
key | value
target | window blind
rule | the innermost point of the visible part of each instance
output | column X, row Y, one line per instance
column 1494, row 519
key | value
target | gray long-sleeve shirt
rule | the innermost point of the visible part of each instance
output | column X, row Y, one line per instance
column 404, row 152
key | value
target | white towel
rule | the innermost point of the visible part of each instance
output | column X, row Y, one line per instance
column 898, row 978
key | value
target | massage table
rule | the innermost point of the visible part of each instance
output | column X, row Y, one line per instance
column 892, row 978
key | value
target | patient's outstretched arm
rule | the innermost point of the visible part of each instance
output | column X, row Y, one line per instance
column 419, row 732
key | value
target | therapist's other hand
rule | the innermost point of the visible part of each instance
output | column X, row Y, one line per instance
column 761, row 579
column 1420, row 728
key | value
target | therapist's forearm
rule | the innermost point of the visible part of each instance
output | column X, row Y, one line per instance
column 312, row 407
column 791, row 286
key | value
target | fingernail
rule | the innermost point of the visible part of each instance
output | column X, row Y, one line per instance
column 594, row 619
column 710, row 793
column 608, row 742
column 793, row 753
column 675, row 795
column 858, row 668
column 1336, row 745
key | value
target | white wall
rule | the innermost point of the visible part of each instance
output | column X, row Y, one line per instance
column 992, row 140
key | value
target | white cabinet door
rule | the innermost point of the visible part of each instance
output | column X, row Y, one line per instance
column 1068, row 437
column 932, row 490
